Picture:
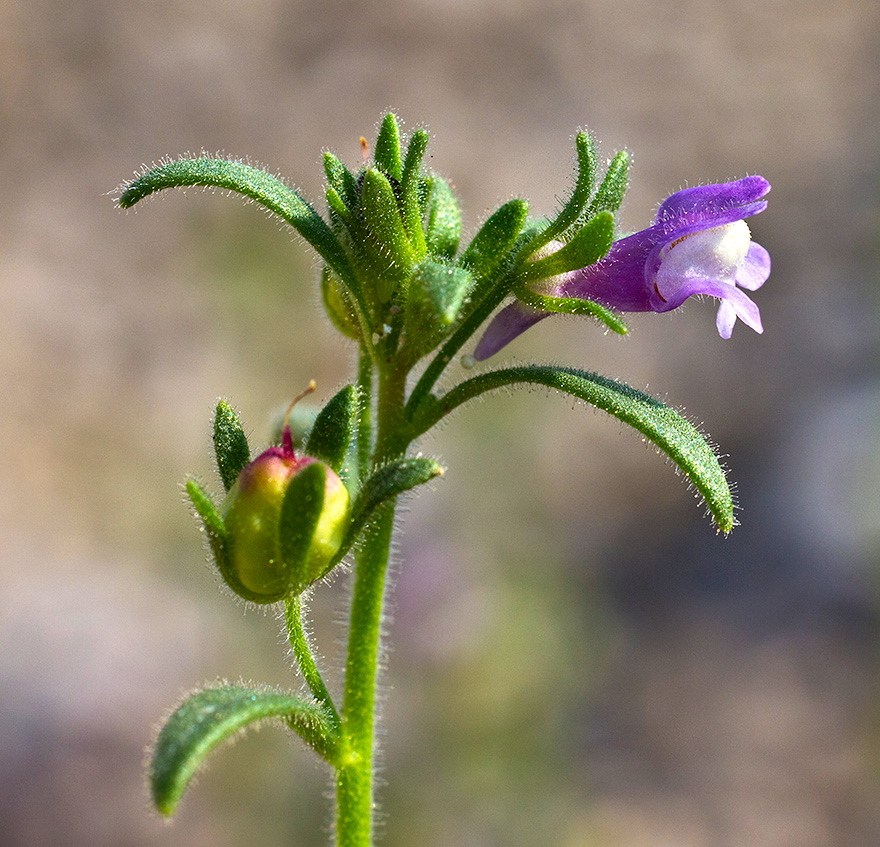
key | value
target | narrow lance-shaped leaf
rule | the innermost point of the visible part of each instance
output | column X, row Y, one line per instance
column 389, row 481
column 252, row 182
column 393, row 479
column 210, row 717
column 665, row 427
column 334, row 427
column 271, row 193
column 230, row 444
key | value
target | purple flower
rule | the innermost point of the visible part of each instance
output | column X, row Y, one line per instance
column 698, row 244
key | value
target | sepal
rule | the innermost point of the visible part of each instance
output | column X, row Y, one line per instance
column 388, row 252
column 492, row 243
column 573, row 306
column 230, row 444
column 340, row 312
column 437, row 292
column 610, row 193
column 443, row 226
column 206, row 509
column 387, row 153
column 341, row 180
column 311, row 526
column 218, row 541
column 332, row 433
column 586, row 247
column 409, row 189
column 580, row 195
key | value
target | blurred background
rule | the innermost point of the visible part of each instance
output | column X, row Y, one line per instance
column 576, row 657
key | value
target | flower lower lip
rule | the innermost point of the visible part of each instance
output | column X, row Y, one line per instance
column 658, row 293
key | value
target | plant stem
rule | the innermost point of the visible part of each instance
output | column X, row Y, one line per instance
column 354, row 775
column 365, row 414
column 299, row 642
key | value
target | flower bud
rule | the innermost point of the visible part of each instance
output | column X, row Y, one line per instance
column 256, row 565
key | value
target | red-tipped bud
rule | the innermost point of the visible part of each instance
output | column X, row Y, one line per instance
column 254, row 529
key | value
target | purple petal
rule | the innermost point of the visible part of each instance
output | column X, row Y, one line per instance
column 745, row 308
column 753, row 272
column 725, row 319
column 713, row 205
column 511, row 321
column 618, row 280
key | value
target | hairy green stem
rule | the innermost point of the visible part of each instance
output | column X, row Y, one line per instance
column 354, row 777
column 299, row 642
column 455, row 342
column 365, row 415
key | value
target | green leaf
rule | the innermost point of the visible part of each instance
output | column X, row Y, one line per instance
column 334, row 428
column 387, row 154
column 230, row 444
column 436, row 294
column 491, row 244
column 588, row 245
column 443, row 230
column 389, row 481
column 580, row 195
column 252, row 182
column 210, row 717
column 665, row 427
column 610, row 194
column 300, row 512
column 392, row 256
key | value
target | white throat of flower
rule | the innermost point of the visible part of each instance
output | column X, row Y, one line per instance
column 714, row 253
column 552, row 285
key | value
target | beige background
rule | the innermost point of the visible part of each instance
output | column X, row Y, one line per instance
column 577, row 658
